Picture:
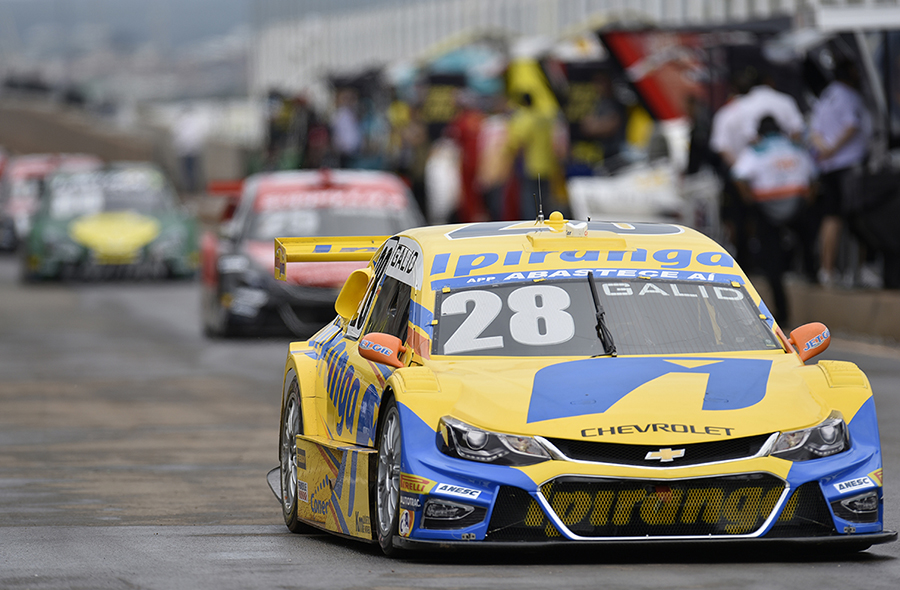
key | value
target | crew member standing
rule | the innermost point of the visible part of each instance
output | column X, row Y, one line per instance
column 840, row 130
column 774, row 177
column 531, row 133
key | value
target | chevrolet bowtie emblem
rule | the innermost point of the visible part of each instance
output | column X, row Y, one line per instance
column 664, row 455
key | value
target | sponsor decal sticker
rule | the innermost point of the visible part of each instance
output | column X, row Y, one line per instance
column 817, row 341
column 369, row 345
column 414, row 484
column 302, row 491
column 460, row 492
column 718, row 292
column 301, row 458
column 657, row 427
column 405, row 524
column 732, row 384
column 344, row 389
column 410, row 502
column 363, row 524
column 853, row 484
column 405, row 262
column 709, row 508
column 878, row 477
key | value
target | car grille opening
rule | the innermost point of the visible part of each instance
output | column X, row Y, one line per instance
column 805, row 514
column 596, row 508
column 694, row 453
column 518, row 517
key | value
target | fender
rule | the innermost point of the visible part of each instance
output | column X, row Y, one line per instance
column 840, row 385
column 405, row 383
column 418, row 387
column 303, row 367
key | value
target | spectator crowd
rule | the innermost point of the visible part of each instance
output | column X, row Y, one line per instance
column 790, row 180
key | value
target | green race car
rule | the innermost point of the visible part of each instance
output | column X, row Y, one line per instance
column 122, row 221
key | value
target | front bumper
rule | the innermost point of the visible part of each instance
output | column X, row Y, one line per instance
column 759, row 500
column 844, row 543
column 81, row 265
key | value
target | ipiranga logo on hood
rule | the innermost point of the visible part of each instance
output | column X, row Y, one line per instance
column 593, row 386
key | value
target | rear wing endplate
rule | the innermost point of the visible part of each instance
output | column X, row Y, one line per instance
column 331, row 249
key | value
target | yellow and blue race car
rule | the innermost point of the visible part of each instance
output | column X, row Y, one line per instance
column 554, row 382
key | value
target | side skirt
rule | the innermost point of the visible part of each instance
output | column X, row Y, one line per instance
column 333, row 486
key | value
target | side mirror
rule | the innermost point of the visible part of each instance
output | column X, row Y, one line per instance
column 352, row 292
column 382, row 348
column 810, row 339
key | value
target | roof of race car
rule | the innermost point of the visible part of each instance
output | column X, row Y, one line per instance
column 498, row 251
column 456, row 256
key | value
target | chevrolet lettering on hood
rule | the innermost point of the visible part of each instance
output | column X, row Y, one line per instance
column 658, row 427
column 542, row 382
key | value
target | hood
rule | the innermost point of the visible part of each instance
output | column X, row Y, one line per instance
column 307, row 274
column 636, row 400
column 118, row 234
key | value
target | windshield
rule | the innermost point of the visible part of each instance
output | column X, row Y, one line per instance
column 558, row 318
column 329, row 221
column 144, row 190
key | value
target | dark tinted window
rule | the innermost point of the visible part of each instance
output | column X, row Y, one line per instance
column 390, row 312
column 557, row 318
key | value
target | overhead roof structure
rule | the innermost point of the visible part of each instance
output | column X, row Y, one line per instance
column 297, row 51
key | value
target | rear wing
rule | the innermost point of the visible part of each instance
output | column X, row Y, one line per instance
column 330, row 249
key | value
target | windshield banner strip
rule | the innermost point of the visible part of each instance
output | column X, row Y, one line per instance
column 599, row 273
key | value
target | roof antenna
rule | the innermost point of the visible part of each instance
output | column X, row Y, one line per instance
column 539, row 203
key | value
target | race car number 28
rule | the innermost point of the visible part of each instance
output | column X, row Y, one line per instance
column 538, row 318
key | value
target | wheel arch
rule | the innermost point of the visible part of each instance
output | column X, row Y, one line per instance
column 302, row 368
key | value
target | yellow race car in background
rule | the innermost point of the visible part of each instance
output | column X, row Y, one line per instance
column 568, row 383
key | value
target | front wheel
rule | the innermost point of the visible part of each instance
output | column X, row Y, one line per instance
column 215, row 317
column 291, row 426
column 387, row 486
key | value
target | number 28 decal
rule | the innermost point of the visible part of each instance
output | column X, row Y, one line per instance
column 537, row 317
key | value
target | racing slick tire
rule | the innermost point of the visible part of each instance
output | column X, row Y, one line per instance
column 291, row 426
column 386, row 497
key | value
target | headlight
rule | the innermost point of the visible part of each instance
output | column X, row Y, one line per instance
column 828, row 438
column 467, row 442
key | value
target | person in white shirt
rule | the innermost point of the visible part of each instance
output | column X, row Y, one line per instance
column 774, row 175
column 764, row 101
column 840, row 131
column 188, row 139
column 725, row 142
column 345, row 128
column 735, row 127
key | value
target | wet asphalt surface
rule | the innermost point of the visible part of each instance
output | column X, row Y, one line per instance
column 133, row 454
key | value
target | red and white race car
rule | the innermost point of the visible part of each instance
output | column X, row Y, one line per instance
column 240, row 293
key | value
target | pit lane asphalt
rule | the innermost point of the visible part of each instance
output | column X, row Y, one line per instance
column 133, row 454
